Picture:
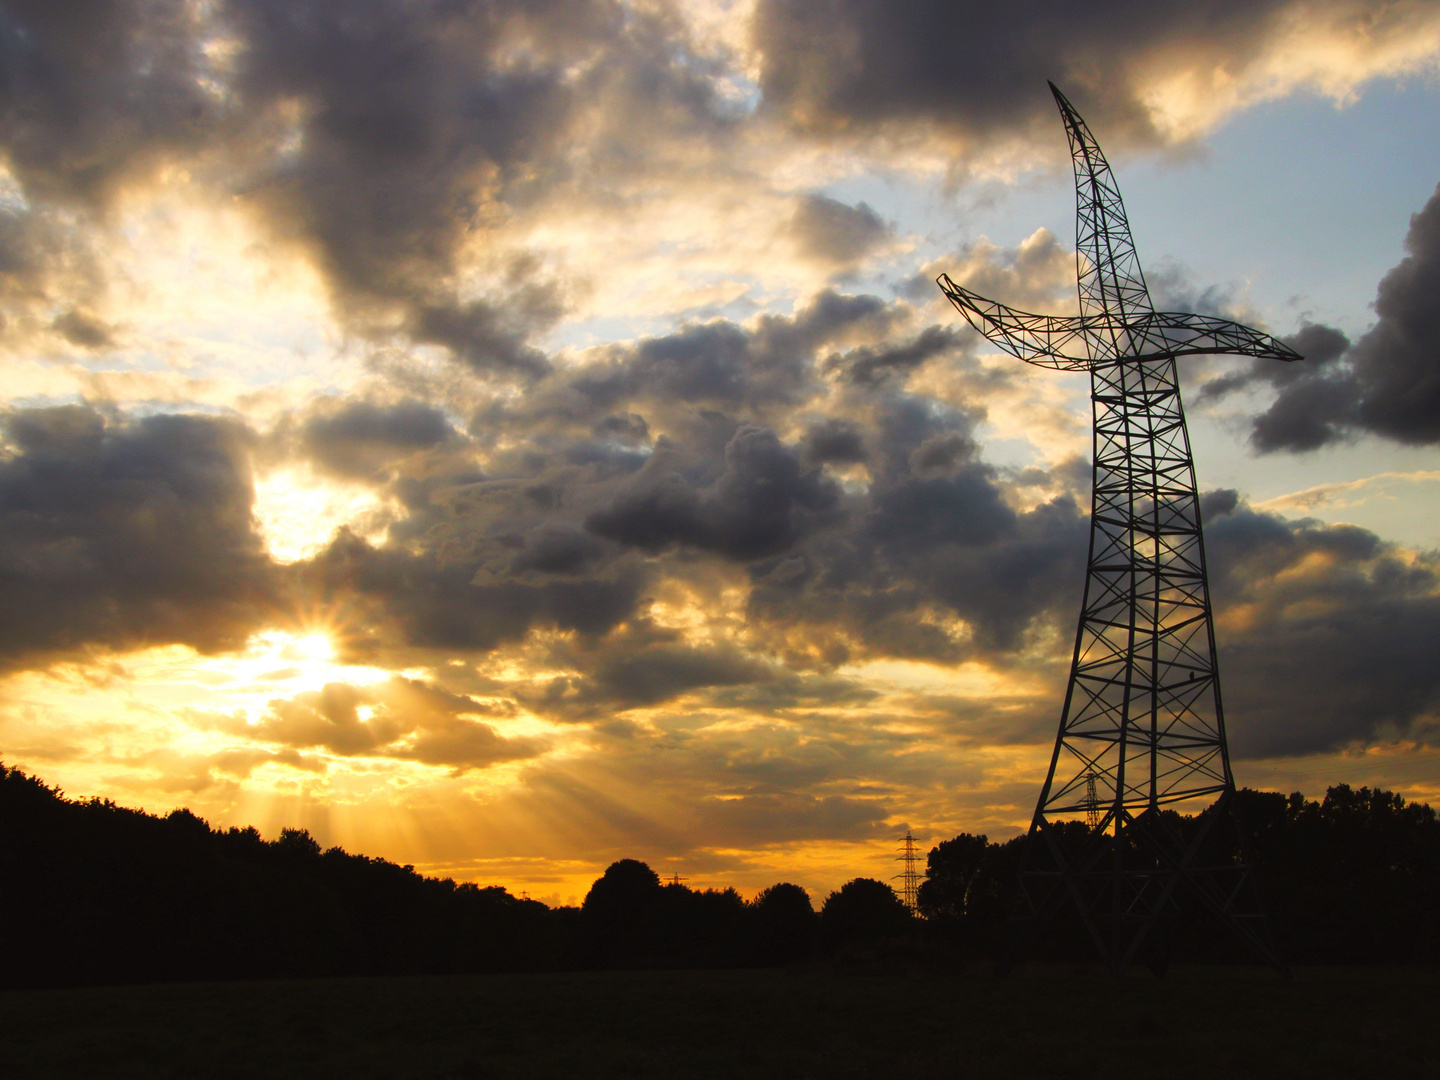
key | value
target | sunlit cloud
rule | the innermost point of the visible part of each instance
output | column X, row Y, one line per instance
column 298, row 513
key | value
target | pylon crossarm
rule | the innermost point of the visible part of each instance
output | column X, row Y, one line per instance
column 1052, row 341
column 1161, row 334
column 1075, row 343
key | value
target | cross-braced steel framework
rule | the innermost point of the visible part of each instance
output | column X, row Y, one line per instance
column 1142, row 728
column 910, row 878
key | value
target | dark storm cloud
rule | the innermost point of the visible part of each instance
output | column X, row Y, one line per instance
column 935, row 532
column 558, row 549
column 875, row 568
column 435, row 599
column 840, row 441
column 839, row 66
column 1328, row 635
column 124, row 533
column 767, row 367
column 763, row 501
column 94, row 94
column 632, row 466
column 1387, row 383
column 873, row 364
column 401, row 718
column 835, row 232
column 358, row 439
column 490, row 336
column 714, row 362
column 665, row 671
column 1321, row 346
column 1397, row 363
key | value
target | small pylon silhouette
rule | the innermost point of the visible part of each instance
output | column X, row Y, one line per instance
column 910, row 878
column 1142, row 727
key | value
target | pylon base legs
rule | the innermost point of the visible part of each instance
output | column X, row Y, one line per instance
column 1136, row 882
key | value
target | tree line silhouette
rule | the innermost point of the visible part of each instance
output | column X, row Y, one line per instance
column 92, row 892
column 1351, row 878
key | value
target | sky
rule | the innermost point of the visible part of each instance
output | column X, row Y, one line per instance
column 505, row 437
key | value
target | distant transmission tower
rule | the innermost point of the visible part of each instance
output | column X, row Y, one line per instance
column 1092, row 800
column 1142, row 726
column 910, row 878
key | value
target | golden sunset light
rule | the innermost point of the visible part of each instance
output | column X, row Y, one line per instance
column 507, row 439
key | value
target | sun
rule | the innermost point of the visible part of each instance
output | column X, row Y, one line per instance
column 309, row 647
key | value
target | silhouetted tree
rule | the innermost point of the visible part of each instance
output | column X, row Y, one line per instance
column 783, row 924
column 94, row 892
column 861, row 911
column 615, row 912
column 951, row 870
column 969, row 891
column 693, row 928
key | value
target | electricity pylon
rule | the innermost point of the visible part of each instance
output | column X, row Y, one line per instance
column 1142, row 727
column 910, row 878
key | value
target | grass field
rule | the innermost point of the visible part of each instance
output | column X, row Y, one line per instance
column 794, row 1024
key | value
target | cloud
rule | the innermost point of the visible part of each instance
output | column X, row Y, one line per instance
column 625, row 470
column 1386, row 383
column 360, row 439
column 1326, row 633
column 1036, row 275
column 936, row 565
column 399, row 718
column 643, row 668
column 396, row 144
column 1347, row 493
column 1397, row 363
column 871, row 365
column 430, row 601
column 787, row 818
column 762, row 502
column 712, row 450
column 558, row 549
column 407, row 144
column 1144, row 72
column 761, row 368
column 491, row 335
column 123, row 533
column 835, row 440
column 83, row 329
column 836, row 233
column 101, row 94
column 48, row 265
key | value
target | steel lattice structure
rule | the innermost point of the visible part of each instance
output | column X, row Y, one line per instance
column 910, row 878
column 1142, row 727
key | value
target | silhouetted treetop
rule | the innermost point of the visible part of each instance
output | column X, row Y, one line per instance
column 861, row 910
column 783, row 899
column 784, row 924
column 626, row 886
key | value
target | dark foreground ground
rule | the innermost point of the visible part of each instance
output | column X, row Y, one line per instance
column 794, row 1024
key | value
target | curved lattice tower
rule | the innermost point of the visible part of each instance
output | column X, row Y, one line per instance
column 1142, row 728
